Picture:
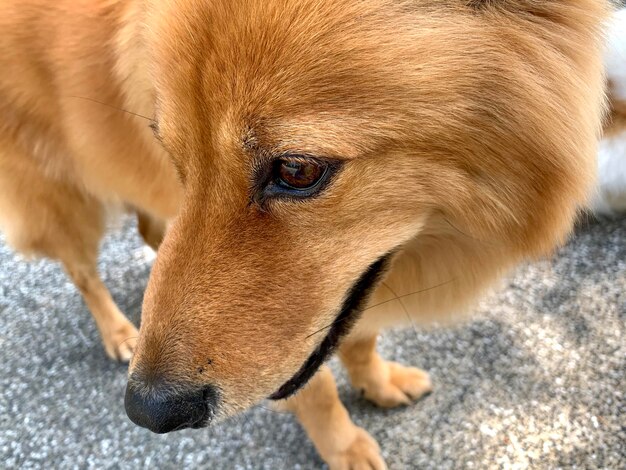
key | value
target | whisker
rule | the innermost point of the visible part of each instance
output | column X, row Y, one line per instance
column 398, row 297
column 274, row 411
column 406, row 311
column 335, row 322
column 412, row 293
column 466, row 234
column 112, row 107
column 243, row 419
column 128, row 339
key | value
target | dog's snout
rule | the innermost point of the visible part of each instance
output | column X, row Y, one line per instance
column 169, row 408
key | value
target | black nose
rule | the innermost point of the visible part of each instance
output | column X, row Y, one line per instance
column 164, row 409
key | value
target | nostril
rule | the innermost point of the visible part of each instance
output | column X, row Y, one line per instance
column 210, row 397
column 170, row 408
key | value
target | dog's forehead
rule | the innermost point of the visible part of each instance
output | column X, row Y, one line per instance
column 339, row 136
column 323, row 50
column 318, row 77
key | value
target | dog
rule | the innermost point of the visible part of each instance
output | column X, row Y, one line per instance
column 311, row 172
column 610, row 199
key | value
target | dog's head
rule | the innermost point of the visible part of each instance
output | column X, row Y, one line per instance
column 314, row 140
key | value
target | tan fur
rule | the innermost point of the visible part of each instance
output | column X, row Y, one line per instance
column 341, row 443
column 65, row 159
column 616, row 120
column 467, row 131
column 387, row 384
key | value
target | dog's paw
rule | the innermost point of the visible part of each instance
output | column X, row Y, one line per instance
column 120, row 341
column 399, row 386
column 363, row 453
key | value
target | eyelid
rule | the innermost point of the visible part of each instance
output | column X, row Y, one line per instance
column 264, row 188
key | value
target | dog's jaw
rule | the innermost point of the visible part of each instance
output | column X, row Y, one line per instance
column 348, row 315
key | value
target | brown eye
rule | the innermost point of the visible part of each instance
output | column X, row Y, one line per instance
column 292, row 177
column 299, row 173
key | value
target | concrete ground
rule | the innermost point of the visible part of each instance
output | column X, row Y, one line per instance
column 537, row 380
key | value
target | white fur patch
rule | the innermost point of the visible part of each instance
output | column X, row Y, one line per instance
column 615, row 54
column 148, row 254
column 611, row 194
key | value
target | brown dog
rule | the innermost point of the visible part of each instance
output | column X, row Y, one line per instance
column 322, row 158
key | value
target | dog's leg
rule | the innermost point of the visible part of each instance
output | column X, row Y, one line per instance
column 386, row 384
column 119, row 335
column 151, row 229
column 51, row 217
column 341, row 443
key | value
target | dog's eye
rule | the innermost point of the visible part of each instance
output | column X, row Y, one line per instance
column 293, row 177
column 300, row 174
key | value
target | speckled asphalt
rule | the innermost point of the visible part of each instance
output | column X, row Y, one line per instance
column 537, row 380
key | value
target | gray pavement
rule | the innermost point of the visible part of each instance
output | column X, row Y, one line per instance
column 536, row 380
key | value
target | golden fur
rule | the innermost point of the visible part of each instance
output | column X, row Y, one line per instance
column 616, row 121
column 467, row 132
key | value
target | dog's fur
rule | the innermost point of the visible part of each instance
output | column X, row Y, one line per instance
column 465, row 130
column 611, row 195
